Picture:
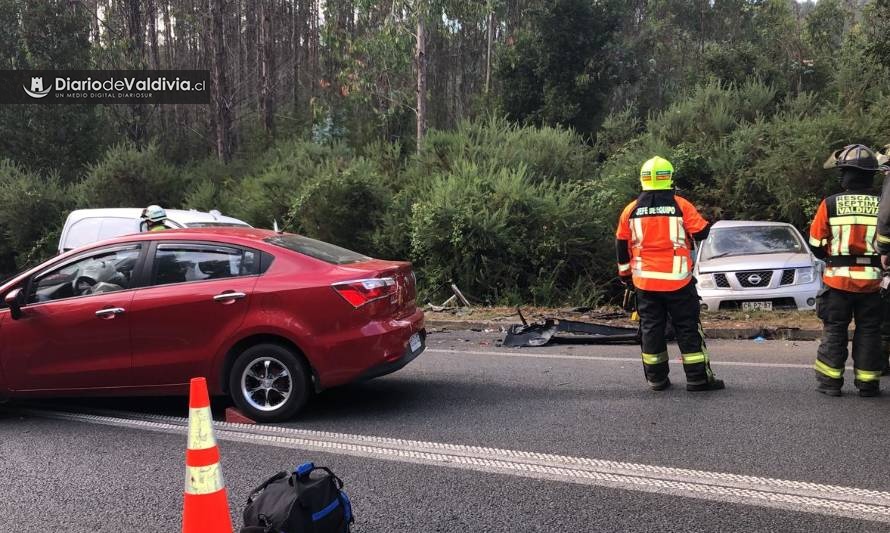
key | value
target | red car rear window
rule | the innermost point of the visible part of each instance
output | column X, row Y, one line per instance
column 317, row 249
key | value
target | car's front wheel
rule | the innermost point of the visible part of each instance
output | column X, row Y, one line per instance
column 269, row 383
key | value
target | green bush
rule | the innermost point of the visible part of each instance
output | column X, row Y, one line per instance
column 504, row 238
column 344, row 205
column 269, row 192
column 131, row 177
column 31, row 220
column 545, row 153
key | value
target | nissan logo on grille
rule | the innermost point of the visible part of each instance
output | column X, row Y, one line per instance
column 754, row 279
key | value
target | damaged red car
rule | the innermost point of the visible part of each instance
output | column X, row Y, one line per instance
column 267, row 317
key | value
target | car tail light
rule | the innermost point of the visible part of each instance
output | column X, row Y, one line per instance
column 362, row 291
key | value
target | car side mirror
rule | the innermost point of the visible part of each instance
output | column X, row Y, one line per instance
column 14, row 299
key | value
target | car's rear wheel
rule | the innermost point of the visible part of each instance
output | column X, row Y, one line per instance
column 269, row 383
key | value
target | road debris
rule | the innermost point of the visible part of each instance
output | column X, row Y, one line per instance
column 575, row 332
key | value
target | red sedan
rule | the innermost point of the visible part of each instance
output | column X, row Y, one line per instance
column 266, row 317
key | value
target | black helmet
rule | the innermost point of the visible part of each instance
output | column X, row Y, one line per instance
column 857, row 156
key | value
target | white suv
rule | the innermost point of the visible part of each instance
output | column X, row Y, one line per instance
column 86, row 226
column 756, row 265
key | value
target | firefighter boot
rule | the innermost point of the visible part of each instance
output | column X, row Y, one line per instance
column 828, row 390
column 713, row 384
column 868, row 388
column 660, row 385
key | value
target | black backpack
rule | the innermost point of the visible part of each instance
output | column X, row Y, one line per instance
column 310, row 500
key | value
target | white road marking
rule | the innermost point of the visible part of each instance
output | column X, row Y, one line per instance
column 801, row 496
column 632, row 360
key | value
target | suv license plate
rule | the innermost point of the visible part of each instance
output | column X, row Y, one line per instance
column 757, row 306
column 414, row 342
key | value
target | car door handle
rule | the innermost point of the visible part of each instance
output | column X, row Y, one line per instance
column 111, row 312
column 226, row 296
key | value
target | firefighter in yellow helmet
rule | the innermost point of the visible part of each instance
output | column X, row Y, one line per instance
column 154, row 217
column 653, row 245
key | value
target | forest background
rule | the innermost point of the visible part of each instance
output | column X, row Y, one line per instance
column 490, row 142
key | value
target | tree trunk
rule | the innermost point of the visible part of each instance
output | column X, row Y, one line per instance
column 168, row 35
column 267, row 56
column 137, row 129
column 313, row 47
column 169, row 49
column 94, row 25
column 219, row 88
column 295, row 51
column 251, row 35
column 420, row 61
column 152, row 13
column 488, row 51
column 241, row 73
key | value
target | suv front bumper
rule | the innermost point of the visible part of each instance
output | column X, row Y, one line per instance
column 801, row 297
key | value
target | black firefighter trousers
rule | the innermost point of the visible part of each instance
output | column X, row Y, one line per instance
column 836, row 309
column 885, row 333
column 682, row 306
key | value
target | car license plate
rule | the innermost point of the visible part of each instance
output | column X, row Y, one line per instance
column 757, row 306
column 414, row 342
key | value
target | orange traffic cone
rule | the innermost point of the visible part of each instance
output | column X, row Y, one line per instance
column 205, row 506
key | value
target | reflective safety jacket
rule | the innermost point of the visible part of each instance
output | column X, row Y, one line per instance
column 652, row 241
column 843, row 233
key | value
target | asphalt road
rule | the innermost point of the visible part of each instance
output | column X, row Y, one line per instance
column 562, row 438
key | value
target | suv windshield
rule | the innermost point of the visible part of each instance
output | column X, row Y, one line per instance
column 317, row 249
column 751, row 240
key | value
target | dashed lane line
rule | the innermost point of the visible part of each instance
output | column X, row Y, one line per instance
column 631, row 360
column 801, row 496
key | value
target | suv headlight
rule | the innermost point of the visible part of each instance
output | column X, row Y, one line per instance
column 806, row 275
column 706, row 281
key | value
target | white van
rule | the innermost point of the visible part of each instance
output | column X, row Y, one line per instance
column 86, row 226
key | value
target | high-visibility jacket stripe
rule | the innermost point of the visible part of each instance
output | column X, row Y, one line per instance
column 637, row 228
column 662, row 275
column 655, row 358
column 200, row 429
column 203, row 457
column 883, row 239
column 866, row 273
column 834, row 373
column 677, row 232
column 835, row 240
column 624, row 267
column 678, row 264
column 200, row 480
column 818, row 242
column 846, row 232
column 870, row 239
column 694, row 358
column 853, row 219
column 867, row 375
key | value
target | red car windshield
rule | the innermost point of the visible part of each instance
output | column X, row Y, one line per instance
column 328, row 253
column 215, row 225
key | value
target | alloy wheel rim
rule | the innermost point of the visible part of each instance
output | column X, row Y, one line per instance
column 266, row 384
